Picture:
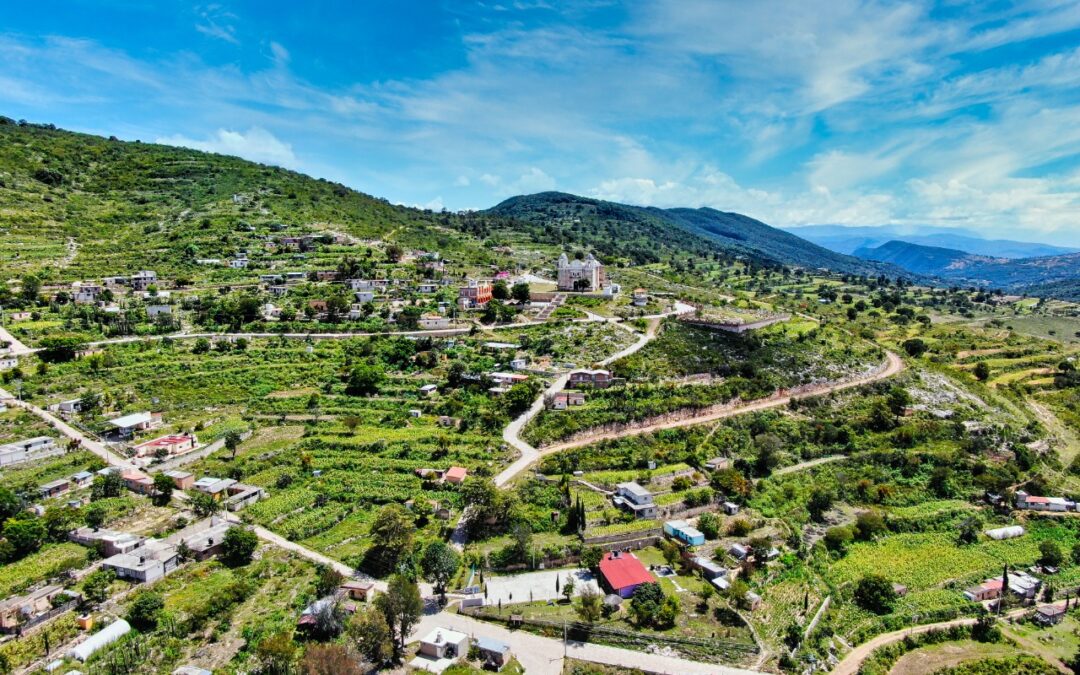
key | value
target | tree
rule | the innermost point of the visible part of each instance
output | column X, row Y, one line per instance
column 95, row 588
column 10, row 504
column 201, row 346
column 981, row 371
column 969, row 532
column 645, row 603
column 868, row 525
column 350, row 422
column 371, row 635
column 106, row 486
column 590, row 604
column 163, row 489
column 1050, row 553
column 94, row 516
column 709, row 524
column 899, row 399
column 392, row 531
column 520, row 292
column 204, row 505
column 500, row 291
column 401, row 606
column 592, row 555
column 327, row 579
column 30, row 287
column 145, row 610
column 24, row 535
column 568, row 588
column 838, row 538
column 276, row 653
column 670, row 551
column 329, row 619
column 364, row 380
column 440, row 563
column 238, row 546
column 330, row 660
column 1076, row 553
column 875, row 593
column 60, row 348
column 915, row 347
column 232, row 441
column 821, row 500
column 768, row 448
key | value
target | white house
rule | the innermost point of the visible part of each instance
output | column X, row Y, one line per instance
column 636, row 499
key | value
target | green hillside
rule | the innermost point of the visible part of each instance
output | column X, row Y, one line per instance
column 78, row 206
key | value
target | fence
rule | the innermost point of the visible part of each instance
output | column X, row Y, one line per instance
column 636, row 539
column 713, row 649
column 809, row 389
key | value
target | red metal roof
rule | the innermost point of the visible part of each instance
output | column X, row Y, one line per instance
column 623, row 571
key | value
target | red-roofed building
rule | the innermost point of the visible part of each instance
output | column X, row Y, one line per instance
column 455, row 475
column 987, row 590
column 172, row 444
column 623, row 573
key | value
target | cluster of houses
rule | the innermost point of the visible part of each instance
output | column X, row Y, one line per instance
column 597, row 378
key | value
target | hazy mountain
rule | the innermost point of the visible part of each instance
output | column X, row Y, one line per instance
column 1057, row 275
column 849, row 239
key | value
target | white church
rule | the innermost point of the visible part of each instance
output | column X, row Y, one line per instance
column 580, row 275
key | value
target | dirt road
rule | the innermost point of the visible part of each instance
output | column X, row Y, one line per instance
column 71, row 432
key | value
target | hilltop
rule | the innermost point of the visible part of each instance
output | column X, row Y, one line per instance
column 653, row 229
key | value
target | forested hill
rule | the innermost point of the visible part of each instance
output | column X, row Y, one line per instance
column 649, row 231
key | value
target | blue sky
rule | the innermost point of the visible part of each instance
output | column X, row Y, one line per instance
column 960, row 113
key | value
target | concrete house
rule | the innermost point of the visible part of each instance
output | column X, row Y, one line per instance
column 127, row 425
column 475, row 294
column 1034, row 503
column 493, row 654
column 182, row 480
column 636, row 499
column 24, row 611
column 140, row 281
column 150, row 562
column 440, row 648
column 107, row 542
column 54, row 488
column 564, row 399
column 172, row 444
column 598, row 378
column 684, row 532
column 29, row 449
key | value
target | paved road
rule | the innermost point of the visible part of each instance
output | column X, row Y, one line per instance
column 544, row 656
column 71, row 432
column 895, row 365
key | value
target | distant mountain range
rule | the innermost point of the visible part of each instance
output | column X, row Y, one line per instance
column 657, row 229
column 1058, row 275
column 850, row 239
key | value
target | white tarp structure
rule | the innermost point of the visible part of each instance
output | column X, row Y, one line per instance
column 107, row 635
column 1005, row 532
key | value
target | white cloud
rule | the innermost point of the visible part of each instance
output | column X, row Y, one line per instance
column 257, row 145
column 217, row 23
column 462, row 181
column 281, row 55
column 533, row 180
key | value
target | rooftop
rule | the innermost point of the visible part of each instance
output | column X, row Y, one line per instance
column 624, row 569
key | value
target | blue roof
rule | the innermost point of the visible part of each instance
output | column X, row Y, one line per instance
column 489, row 645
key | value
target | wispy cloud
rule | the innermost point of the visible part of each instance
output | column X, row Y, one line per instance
column 854, row 111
